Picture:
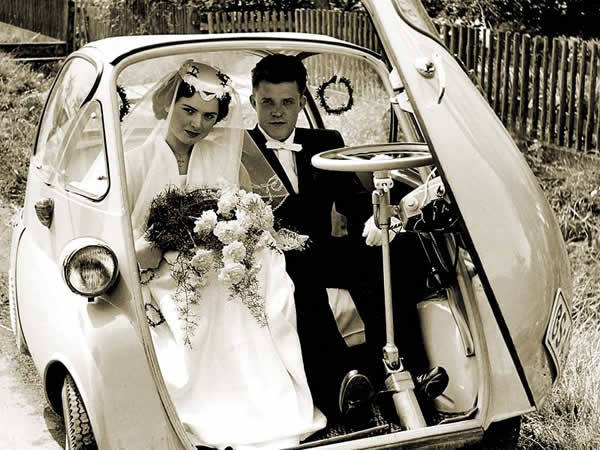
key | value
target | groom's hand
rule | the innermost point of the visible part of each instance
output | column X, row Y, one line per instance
column 373, row 235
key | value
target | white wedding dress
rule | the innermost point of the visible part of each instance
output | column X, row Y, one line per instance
column 238, row 384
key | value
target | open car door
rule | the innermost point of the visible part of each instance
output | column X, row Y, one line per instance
column 513, row 235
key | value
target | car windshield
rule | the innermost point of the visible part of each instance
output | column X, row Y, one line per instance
column 347, row 93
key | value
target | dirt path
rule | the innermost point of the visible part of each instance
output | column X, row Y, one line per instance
column 27, row 420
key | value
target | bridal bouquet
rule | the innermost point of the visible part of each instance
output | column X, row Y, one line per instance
column 216, row 230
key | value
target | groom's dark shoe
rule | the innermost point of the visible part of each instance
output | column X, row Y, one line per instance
column 431, row 384
column 355, row 397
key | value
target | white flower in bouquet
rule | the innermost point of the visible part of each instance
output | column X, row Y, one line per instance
column 226, row 243
column 232, row 272
column 234, row 252
column 227, row 203
column 203, row 260
column 243, row 218
column 266, row 220
column 254, row 211
column 255, row 269
column 206, row 223
column 228, row 231
column 250, row 198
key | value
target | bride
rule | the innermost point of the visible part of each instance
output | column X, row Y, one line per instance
column 234, row 382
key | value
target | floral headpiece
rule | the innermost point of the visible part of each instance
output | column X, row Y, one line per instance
column 210, row 83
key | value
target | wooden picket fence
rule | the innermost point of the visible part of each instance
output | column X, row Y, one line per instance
column 51, row 18
column 541, row 88
column 47, row 17
column 348, row 26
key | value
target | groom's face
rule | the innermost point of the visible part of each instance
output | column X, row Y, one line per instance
column 277, row 106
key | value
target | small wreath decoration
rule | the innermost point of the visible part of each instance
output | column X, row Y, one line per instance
column 323, row 100
column 124, row 105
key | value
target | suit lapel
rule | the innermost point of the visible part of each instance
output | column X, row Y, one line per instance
column 303, row 167
column 271, row 158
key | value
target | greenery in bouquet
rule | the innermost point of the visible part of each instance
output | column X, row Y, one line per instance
column 216, row 230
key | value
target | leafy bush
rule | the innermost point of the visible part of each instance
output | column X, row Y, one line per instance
column 22, row 97
column 551, row 17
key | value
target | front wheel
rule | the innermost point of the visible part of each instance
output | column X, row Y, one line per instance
column 78, row 430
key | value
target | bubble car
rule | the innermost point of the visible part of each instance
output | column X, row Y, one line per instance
column 496, row 310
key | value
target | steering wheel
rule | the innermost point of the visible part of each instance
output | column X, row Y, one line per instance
column 363, row 158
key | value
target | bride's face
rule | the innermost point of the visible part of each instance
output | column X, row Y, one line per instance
column 192, row 119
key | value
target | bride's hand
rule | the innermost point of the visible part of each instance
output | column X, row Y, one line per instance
column 148, row 256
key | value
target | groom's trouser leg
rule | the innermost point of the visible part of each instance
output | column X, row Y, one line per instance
column 409, row 271
column 324, row 351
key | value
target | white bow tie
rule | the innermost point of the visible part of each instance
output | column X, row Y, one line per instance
column 277, row 145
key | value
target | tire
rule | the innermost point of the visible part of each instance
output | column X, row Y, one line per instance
column 78, row 430
column 15, row 323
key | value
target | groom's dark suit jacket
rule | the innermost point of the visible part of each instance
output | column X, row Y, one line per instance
column 344, row 263
column 324, row 351
column 309, row 211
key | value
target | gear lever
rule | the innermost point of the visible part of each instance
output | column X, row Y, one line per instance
column 398, row 380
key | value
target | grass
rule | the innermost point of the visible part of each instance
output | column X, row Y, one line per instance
column 571, row 417
column 21, row 101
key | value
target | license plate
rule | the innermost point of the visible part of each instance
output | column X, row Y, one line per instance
column 558, row 333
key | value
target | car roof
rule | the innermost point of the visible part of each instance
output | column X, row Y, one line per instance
column 113, row 49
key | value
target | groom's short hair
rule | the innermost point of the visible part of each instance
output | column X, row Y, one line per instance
column 279, row 68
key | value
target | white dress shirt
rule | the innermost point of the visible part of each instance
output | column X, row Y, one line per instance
column 287, row 158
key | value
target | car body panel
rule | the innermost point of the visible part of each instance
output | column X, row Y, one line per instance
column 453, row 435
column 507, row 396
column 116, row 48
column 98, row 342
column 444, row 347
column 87, row 330
column 517, row 244
column 106, row 344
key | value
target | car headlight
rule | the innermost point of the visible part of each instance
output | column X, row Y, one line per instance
column 90, row 267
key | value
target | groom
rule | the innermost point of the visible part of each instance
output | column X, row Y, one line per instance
column 278, row 85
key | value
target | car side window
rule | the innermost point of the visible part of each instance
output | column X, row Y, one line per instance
column 82, row 166
column 75, row 82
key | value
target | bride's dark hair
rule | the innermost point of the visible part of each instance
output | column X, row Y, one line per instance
column 161, row 100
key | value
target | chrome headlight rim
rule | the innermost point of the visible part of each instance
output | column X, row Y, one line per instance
column 72, row 249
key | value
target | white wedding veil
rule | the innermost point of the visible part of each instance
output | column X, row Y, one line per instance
column 226, row 155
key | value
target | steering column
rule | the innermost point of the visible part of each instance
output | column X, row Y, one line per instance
column 398, row 380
